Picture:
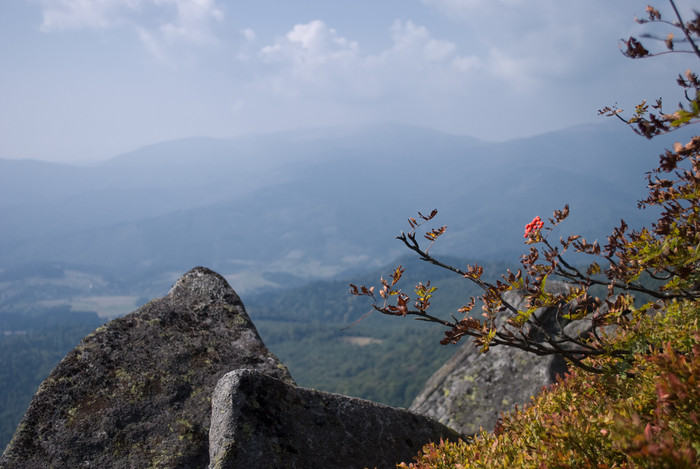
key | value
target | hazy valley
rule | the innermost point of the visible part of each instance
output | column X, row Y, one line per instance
column 275, row 211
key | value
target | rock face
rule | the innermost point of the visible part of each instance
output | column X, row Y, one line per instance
column 262, row 422
column 471, row 390
column 136, row 392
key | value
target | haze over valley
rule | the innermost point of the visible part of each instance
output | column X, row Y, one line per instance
column 275, row 211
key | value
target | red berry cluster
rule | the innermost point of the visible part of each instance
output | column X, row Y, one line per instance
column 535, row 224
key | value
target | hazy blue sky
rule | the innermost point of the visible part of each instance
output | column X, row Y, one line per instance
column 89, row 79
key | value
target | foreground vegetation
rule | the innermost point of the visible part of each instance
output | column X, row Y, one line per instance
column 646, row 415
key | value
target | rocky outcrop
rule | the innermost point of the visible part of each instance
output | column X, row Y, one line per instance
column 262, row 422
column 136, row 392
column 470, row 391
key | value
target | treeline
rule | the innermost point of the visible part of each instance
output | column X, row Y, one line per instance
column 330, row 301
column 379, row 361
column 384, row 359
column 30, row 347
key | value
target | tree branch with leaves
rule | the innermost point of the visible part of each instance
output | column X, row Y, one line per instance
column 661, row 262
column 651, row 122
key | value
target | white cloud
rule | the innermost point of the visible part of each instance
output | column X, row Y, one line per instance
column 248, row 34
column 527, row 44
column 74, row 14
column 311, row 60
column 158, row 23
column 465, row 64
column 315, row 74
column 411, row 39
column 311, row 43
column 192, row 20
column 151, row 43
column 314, row 59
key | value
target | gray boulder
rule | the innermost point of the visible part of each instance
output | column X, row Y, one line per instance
column 471, row 390
column 262, row 422
column 136, row 392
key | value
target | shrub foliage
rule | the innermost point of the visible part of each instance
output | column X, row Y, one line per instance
column 646, row 417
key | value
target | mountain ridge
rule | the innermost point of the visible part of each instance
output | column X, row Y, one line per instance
column 318, row 203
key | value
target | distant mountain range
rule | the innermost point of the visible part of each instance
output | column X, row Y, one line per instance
column 278, row 210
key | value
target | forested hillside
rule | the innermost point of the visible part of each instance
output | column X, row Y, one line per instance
column 30, row 346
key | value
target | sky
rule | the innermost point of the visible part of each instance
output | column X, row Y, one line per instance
column 86, row 80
